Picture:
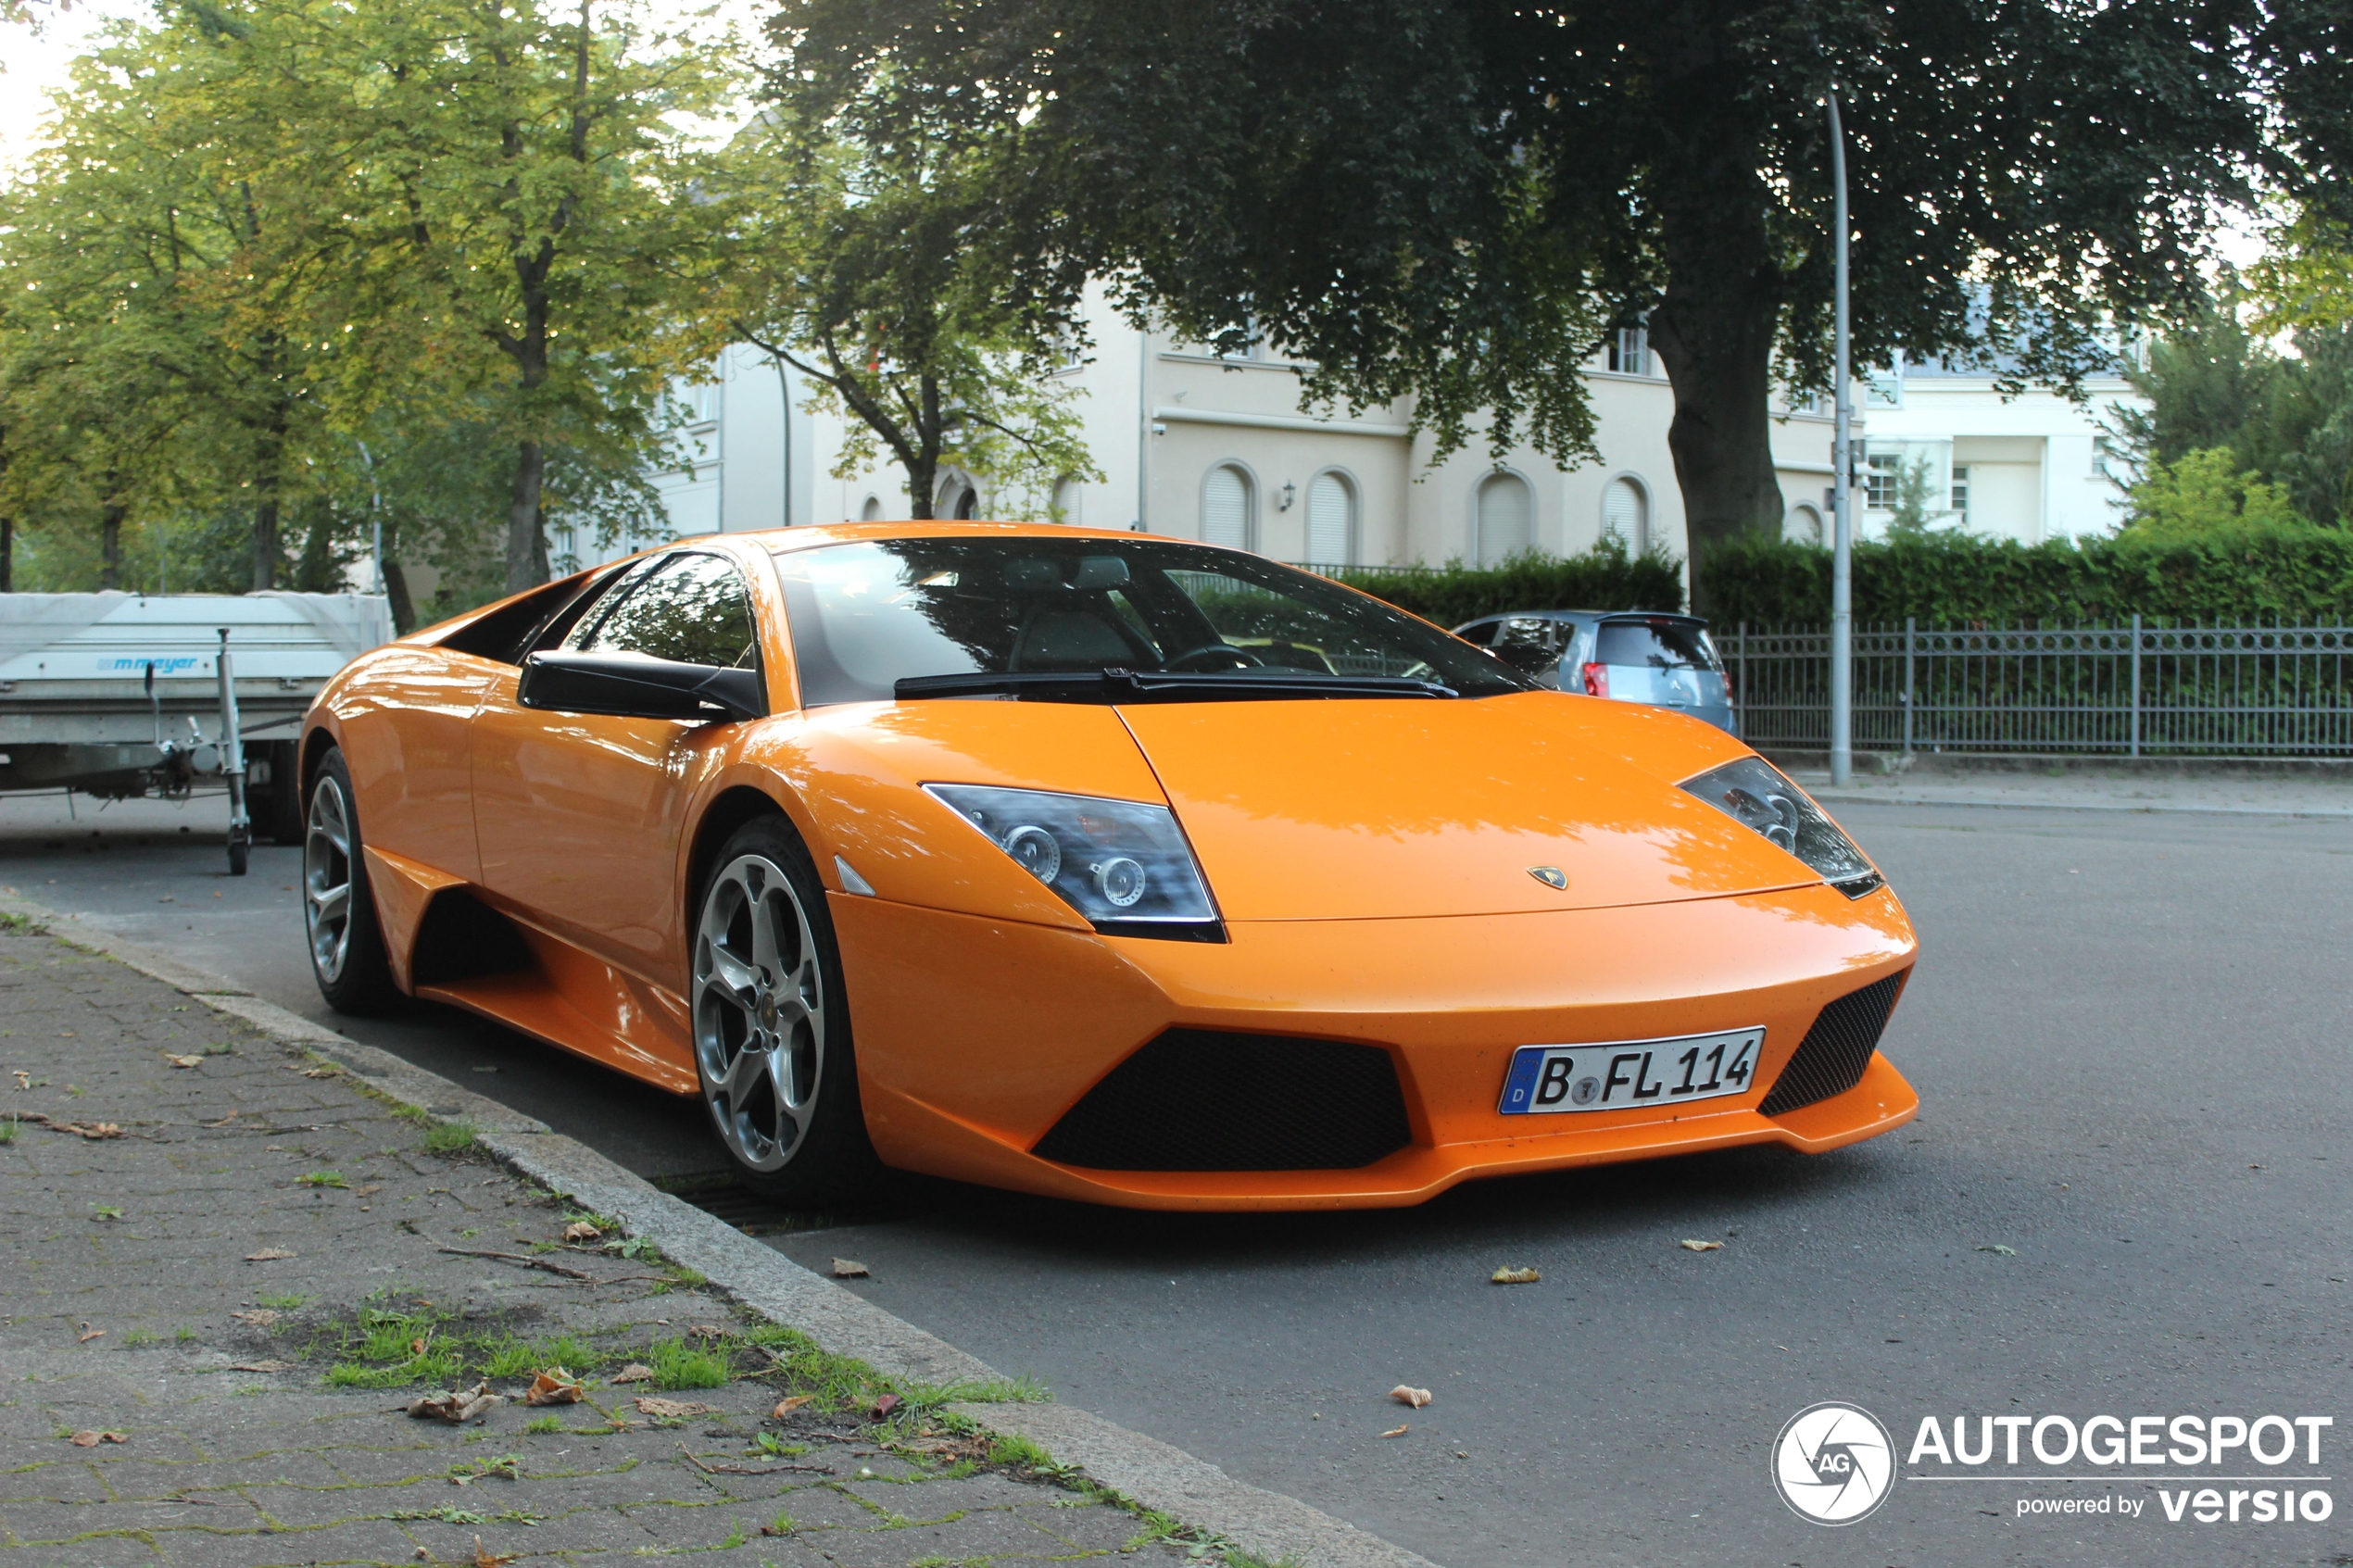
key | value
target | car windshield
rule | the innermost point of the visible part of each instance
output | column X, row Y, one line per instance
column 1660, row 645
column 1042, row 615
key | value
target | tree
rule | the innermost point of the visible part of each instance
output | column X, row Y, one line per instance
column 2204, row 491
column 1450, row 198
column 1913, row 486
column 868, row 270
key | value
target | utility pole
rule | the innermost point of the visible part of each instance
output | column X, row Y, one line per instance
column 1842, row 496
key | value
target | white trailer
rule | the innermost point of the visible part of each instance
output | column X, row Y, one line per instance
column 120, row 694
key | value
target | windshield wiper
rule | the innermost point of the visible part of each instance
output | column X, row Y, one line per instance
column 1115, row 685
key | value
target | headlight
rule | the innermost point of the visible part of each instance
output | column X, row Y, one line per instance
column 1122, row 864
column 1753, row 790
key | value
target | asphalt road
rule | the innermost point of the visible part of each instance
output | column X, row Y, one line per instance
column 2129, row 1033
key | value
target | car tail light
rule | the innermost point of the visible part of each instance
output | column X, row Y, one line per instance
column 1597, row 680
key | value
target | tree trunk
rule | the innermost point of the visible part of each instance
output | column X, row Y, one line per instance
column 110, row 545
column 7, row 555
column 404, row 608
column 526, row 544
column 923, row 462
column 1714, row 328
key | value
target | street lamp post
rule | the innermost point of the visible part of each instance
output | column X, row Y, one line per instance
column 1841, row 495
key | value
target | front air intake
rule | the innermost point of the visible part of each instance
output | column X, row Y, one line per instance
column 1831, row 1060
column 1195, row 1099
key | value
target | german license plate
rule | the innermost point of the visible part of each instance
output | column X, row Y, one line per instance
column 1621, row 1074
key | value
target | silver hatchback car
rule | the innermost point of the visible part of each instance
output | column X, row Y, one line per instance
column 1627, row 656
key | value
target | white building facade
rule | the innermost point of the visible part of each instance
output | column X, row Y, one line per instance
column 1194, row 445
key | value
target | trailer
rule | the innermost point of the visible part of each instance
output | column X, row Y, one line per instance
column 118, row 695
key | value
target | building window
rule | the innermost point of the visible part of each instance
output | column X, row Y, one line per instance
column 567, row 543
column 1626, row 513
column 1884, row 388
column 1629, row 351
column 1254, row 347
column 1803, row 525
column 1066, row 503
column 699, row 402
column 1506, row 519
column 967, row 504
column 1225, row 508
column 1960, row 491
column 871, row 510
column 1331, row 522
column 1882, row 475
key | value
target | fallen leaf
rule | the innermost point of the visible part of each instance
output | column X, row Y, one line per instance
column 670, row 1409
column 581, row 1230
column 846, row 1268
column 94, row 1131
column 260, row 1317
column 319, row 1072
column 635, row 1371
column 417, row 1345
column 262, row 1366
column 705, row 1331
column 790, row 1403
column 459, row 1406
column 92, row 1439
column 1691, row 1246
column 1397, row 1431
column 485, row 1558
column 553, row 1386
column 184, row 1060
column 267, row 1255
column 88, row 1333
column 24, row 1079
column 224, row 1120
column 1516, row 1277
column 371, row 1186
column 1417, row 1398
column 1997, row 1247
column 884, row 1406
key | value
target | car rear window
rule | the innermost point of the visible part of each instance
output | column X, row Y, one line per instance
column 1659, row 644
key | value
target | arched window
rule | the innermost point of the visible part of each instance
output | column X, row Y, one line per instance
column 1225, row 508
column 1506, row 518
column 1626, row 512
column 1803, row 525
column 968, row 505
column 1066, row 494
column 871, row 510
column 1331, row 520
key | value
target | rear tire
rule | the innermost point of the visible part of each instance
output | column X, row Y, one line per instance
column 338, row 909
column 771, row 1018
column 278, row 807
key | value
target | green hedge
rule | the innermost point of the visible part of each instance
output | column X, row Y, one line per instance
column 1605, row 577
column 2296, row 573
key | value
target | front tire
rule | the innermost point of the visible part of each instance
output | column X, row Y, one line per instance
column 338, row 911
column 773, row 1049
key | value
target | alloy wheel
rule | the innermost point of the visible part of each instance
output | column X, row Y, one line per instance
column 326, row 879
column 759, row 1009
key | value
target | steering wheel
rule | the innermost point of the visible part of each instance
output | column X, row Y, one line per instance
column 1178, row 661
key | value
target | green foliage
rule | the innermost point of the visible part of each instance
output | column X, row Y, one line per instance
column 1605, row 577
column 542, row 1426
column 450, row 1138
column 1012, row 1447
column 2240, row 572
column 678, row 1364
column 322, row 1179
column 510, row 1357
column 8, row 1129
column 1914, row 487
column 2204, row 493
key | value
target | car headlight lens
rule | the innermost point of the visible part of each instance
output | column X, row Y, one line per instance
column 1755, row 792
column 1121, row 863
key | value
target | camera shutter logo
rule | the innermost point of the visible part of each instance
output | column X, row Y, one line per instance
column 1833, row 1463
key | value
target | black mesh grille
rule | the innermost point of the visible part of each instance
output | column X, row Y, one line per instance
column 1198, row 1101
column 1831, row 1060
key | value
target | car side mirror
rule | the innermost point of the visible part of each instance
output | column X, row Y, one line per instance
column 627, row 686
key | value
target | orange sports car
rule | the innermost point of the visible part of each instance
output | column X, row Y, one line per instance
column 1093, row 864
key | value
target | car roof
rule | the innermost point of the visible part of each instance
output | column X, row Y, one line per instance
column 1588, row 615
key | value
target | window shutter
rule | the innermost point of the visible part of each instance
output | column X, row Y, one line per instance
column 1506, row 526
column 1626, row 512
column 1224, row 509
column 1328, row 520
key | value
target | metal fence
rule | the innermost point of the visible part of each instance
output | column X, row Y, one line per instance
column 2134, row 690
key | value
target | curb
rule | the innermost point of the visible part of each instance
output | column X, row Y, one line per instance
column 2145, row 807
column 1142, row 1468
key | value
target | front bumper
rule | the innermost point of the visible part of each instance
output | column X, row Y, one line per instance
column 975, row 1037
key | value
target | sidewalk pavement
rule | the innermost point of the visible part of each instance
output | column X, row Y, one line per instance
column 2096, row 785
column 232, row 1267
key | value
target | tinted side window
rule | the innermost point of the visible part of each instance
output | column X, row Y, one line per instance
column 1483, row 633
column 1659, row 644
column 688, row 608
column 1529, row 643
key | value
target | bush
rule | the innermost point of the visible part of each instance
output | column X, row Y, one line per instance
column 2235, row 571
column 1605, row 577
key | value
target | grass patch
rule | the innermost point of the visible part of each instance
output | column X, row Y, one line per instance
column 680, row 1365
column 545, row 1424
column 8, row 1129
column 783, row 1525
column 1021, row 1390
column 185, row 1335
column 510, row 1357
column 736, row 1537
column 21, row 925
column 138, row 1336
column 450, row 1138
column 105, row 1211
column 323, row 1179
column 281, row 1303
column 435, row 1366
column 1012, row 1447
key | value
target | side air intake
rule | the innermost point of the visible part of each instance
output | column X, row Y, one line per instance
column 1196, row 1099
column 1832, row 1058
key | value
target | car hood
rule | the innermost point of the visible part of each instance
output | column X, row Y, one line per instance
column 1369, row 810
